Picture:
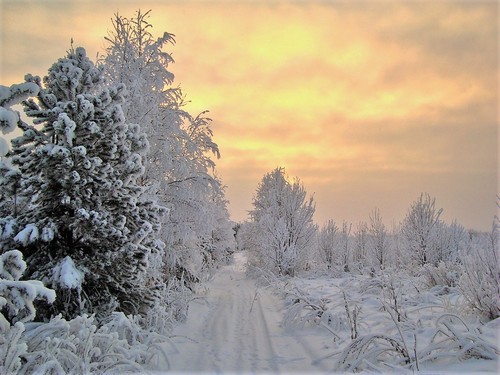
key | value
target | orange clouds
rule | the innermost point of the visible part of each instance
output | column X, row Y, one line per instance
column 338, row 94
column 369, row 103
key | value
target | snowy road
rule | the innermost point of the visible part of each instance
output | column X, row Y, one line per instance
column 236, row 327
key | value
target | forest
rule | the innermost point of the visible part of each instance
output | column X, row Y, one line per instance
column 113, row 219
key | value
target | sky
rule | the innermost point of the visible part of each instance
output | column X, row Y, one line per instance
column 369, row 103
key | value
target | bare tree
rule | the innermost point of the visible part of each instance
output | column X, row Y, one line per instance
column 378, row 237
column 345, row 236
column 418, row 227
column 327, row 238
column 361, row 243
column 180, row 162
column 282, row 222
column 480, row 279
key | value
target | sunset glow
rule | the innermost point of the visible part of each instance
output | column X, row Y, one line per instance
column 368, row 103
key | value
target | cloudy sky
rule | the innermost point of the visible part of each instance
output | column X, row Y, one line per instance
column 369, row 103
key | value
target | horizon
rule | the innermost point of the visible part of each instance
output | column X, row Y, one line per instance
column 368, row 104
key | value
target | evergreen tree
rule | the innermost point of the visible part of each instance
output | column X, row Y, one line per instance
column 10, row 177
column 82, row 229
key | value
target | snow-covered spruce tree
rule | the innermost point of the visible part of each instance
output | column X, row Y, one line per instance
column 282, row 223
column 82, row 229
column 418, row 228
column 178, row 168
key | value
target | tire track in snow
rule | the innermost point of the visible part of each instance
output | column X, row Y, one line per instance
column 261, row 339
column 237, row 329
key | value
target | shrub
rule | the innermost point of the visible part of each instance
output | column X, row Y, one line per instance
column 480, row 280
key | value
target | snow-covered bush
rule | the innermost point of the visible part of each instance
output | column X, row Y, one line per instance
column 16, row 296
column 453, row 337
column 388, row 323
column 161, row 317
column 371, row 352
column 480, row 279
column 444, row 274
column 119, row 344
column 304, row 310
column 450, row 338
column 16, row 306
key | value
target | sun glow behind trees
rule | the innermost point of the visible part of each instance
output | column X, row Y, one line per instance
column 364, row 101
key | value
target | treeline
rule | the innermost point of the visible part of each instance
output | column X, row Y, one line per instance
column 110, row 192
column 282, row 238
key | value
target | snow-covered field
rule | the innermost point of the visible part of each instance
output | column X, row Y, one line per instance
column 324, row 324
column 385, row 324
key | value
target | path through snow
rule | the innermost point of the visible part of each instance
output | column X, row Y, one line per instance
column 236, row 327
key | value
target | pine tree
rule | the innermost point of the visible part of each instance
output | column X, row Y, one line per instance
column 82, row 229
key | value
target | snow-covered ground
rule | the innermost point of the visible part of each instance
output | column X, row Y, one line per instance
column 398, row 325
column 234, row 325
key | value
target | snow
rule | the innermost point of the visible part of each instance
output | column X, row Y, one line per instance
column 79, row 150
column 16, row 297
column 12, row 265
column 58, row 150
column 75, row 176
column 68, row 125
column 7, row 226
column 8, row 120
column 16, row 93
column 67, row 275
column 434, row 327
column 235, row 326
column 48, row 233
column 27, row 235
column 4, row 147
column 311, row 324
